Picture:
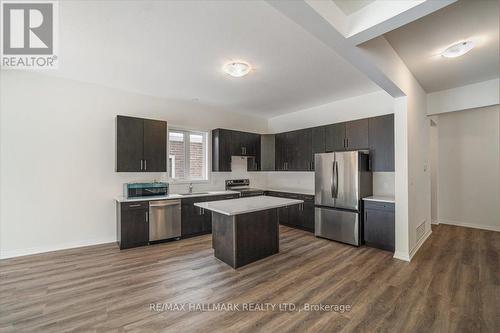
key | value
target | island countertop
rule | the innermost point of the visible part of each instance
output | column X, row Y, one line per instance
column 246, row 205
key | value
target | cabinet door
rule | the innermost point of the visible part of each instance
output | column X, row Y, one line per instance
column 129, row 142
column 194, row 220
column 335, row 137
column 280, row 151
column 302, row 158
column 222, row 149
column 357, row 134
column 155, row 145
column 379, row 229
column 134, row 225
column 253, row 152
column 307, row 215
column 318, row 142
column 381, row 138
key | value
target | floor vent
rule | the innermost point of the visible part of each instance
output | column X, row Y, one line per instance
column 420, row 230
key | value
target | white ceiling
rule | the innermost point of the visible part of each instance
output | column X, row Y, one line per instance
column 175, row 50
column 419, row 44
column 351, row 6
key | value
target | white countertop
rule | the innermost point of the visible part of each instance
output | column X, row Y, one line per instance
column 291, row 191
column 246, row 205
column 381, row 198
column 174, row 196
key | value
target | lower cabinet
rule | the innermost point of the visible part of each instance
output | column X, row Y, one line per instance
column 379, row 224
column 133, row 224
column 195, row 220
column 297, row 216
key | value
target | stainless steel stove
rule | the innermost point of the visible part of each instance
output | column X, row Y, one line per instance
column 243, row 186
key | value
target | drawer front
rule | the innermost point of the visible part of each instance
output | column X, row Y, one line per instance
column 134, row 205
column 379, row 205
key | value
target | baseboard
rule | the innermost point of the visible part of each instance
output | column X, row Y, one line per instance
column 401, row 256
column 435, row 221
column 5, row 254
column 405, row 256
column 470, row 225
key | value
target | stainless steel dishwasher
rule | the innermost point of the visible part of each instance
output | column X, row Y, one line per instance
column 164, row 219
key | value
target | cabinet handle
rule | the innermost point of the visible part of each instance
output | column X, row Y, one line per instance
column 145, row 164
column 147, row 217
column 131, row 206
column 142, row 164
column 347, row 143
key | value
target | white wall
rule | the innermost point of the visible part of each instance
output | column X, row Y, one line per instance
column 364, row 106
column 434, row 165
column 468, row 184
column 475, row 95
column 412, row 149
column 57, row 149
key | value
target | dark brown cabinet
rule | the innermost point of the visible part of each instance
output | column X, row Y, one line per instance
column 299, row 216
column 141, row 145
column 222, row 149
column 318, row 142
column 294, row 150
column 195, row 220
column 381, row 138
column 356, row 134
column 227, row 143
column 379, row 225
column 335, row 137
column 133, row 224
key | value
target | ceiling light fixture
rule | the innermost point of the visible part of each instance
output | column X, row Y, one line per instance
column 237, row 68
column 458, row 49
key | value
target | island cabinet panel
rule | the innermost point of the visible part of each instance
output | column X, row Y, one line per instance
column 227, row 143
column 141, row 145
column 242, row 239
column 197, row 221
column 381, row 137
column 379, row 225
column 356, row 134
column 133, row 224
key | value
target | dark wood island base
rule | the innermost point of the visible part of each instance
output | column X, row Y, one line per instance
column 242, row 239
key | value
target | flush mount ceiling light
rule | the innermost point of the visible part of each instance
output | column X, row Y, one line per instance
column 458, row 49
column 237, row 68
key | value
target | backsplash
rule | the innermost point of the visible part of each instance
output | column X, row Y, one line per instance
column 302, row 182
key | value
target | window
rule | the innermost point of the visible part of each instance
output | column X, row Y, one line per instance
column 187, row 155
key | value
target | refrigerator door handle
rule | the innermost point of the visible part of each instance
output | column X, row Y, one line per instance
column 336, row 179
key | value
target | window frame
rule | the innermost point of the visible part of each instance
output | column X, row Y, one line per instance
column 187, row 132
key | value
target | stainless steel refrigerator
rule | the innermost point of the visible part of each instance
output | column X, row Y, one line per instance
column 342, row 179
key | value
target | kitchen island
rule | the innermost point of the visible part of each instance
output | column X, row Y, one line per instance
column 245, row 230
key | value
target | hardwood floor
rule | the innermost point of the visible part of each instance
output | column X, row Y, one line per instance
column 452, row 285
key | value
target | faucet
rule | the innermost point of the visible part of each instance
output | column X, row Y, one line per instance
column 190, row 188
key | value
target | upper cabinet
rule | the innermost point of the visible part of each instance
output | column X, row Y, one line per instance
column 227, row 143
column 294, row 151
column 356, row 134
column 381, row 138
column 141, row 145
column 351, row 135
